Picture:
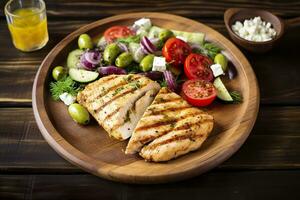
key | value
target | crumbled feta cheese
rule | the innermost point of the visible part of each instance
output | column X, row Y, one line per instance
column 254, row 30
column 159, row 64
column 67, row 98
column 217, row 69
column 181, row 38
column 143, row 23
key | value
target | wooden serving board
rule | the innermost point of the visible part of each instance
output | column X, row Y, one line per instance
column 90, row 148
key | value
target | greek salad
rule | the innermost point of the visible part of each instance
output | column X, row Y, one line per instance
column 182, row 61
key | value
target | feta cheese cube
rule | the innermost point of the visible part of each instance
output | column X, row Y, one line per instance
column 144, row 23
column 181, row 38
column 159, row 64
column 217, row 69
column 67, row 98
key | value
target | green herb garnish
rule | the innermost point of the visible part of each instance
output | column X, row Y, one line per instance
column 128, row 78
column 236, row 96
column 209, row 49
column 117, row 91
column 163, row 83
column 135, row 84
column 130, row 39
column 64, row 85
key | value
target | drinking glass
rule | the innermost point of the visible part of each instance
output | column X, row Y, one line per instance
column 27, row 23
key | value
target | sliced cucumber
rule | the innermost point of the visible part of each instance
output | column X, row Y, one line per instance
column 83, row 76
column 73, row 60
column 222, row 92
column 135, row 52
column 154, row 32
column 197, row 38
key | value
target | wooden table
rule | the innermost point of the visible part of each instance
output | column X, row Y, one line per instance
column 266, row 167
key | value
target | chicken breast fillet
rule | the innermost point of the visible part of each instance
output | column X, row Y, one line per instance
column 117, row 102
column 170, row 127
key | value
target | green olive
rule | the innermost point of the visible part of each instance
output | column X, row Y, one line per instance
column 111, row 52
column 58, row 73
column 147, row 63
column 165, row 34
column 85, row 42
column 124, row 59
column 79, row 114
column 221, row 60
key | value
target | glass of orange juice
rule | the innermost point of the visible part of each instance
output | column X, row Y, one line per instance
column 27, row 23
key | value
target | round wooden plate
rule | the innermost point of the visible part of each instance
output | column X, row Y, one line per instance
column 90, row 148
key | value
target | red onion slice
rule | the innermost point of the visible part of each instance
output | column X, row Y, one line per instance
column 147, row 45
column 145, row 51
column 232, row 72
column 86, row 64
column 111, row 70
column 153, row 75
column 93, row 57
column 123, row 47
column 90, row 59
column 171, row 83
column 154, row 41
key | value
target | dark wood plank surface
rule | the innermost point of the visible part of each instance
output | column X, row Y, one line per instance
column 266, row 167
column 191, row 8
column 213, row 185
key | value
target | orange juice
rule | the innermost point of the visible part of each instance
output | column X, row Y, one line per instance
column 28, row 29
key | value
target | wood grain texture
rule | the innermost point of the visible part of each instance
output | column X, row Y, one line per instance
column 273, row 144
column 276, row 72
column 190, row 8
column 275, row 185
column 107, row 159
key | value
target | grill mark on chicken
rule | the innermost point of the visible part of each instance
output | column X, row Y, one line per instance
column 84, row 95
column 184, row 126
column 119, row 96
column 112, row 114
column 171, row 121
column 104, row 80
column 165, row 91
column 161, row 100
column 154, row 112
column 188, row 135
column 132, row 109
column 115, row 87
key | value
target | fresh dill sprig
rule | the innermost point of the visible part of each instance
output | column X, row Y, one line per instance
column 64, row 85
column 236, row 96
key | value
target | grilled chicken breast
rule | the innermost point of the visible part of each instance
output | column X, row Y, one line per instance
column 117, row 102
column 170, row 127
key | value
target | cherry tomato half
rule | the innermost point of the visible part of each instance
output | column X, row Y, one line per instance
column 197, row 66
column 175, row 51
column 116, row 32
column 199, row 92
